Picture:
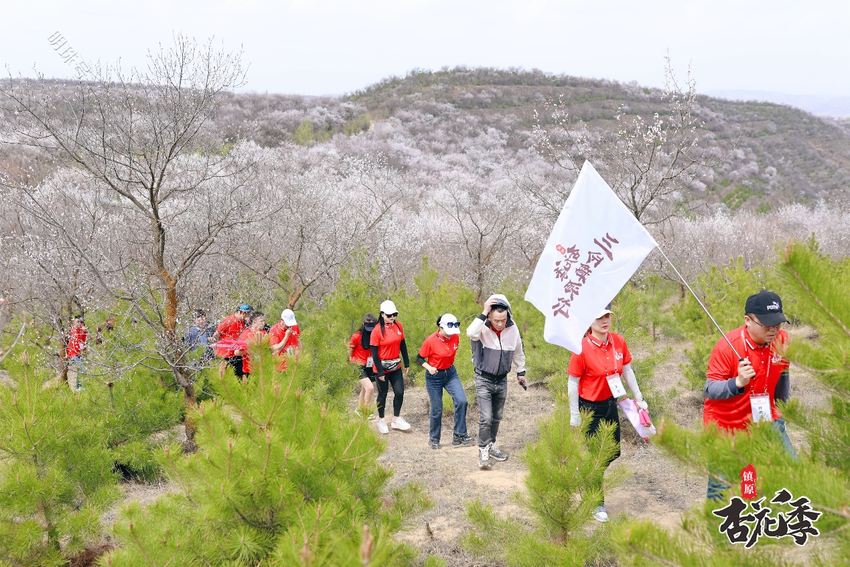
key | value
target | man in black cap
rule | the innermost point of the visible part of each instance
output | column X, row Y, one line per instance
column 740, row 391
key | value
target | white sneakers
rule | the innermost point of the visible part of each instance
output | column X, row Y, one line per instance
column 397, row 423
column 600, row 514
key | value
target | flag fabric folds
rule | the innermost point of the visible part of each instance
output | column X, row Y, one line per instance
column 595, row 247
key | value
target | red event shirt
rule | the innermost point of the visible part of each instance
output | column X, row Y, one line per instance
column 359, row 355
column 389, row 342
column 247, row 339
column 735, row 412
column 76, row 342
column 440, row 352
column 229, row 330
column 596, row 362
column 277, row 332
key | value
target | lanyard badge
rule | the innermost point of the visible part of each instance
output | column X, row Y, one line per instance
column 616, row 385
column 760, row 405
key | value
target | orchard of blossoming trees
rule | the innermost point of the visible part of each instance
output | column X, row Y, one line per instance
column 150, row 193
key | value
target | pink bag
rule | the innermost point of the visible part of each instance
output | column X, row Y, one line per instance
column 644, row 417
column 639, row 418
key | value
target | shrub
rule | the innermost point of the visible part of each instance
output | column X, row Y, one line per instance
column 56, row 474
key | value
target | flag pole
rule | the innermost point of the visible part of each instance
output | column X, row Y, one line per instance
column 700, row 303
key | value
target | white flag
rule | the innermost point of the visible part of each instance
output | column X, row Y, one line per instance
column 595, row 247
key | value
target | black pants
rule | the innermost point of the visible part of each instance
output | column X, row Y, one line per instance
column 396, row 379
column 605, row 410
column 236, row 363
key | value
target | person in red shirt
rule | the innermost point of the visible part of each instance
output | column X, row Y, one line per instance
column 388, row 345
column 595, row 384
column 250, row 337
column 75, row 350
column 285, row 338
column 747, row 374
column 437, row 357
column 360, row 353
column 225, row 337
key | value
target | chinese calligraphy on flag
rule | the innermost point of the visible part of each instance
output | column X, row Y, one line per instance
column 595, row 247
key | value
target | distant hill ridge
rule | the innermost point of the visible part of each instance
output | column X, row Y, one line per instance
column 773, row 154
column 781, row 154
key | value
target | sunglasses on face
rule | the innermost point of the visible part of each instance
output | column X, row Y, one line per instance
column 453, row 325
column 391, row 314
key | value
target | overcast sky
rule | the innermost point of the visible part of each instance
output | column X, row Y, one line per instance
column 339, row 46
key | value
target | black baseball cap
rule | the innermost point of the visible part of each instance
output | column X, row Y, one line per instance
column 767, row 306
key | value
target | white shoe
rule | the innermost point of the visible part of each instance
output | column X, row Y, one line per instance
column 484, row 457
column 382, row 426
column 400, row 424
column 600, row 514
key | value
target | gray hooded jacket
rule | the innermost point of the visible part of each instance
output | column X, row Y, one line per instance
column 494, row 355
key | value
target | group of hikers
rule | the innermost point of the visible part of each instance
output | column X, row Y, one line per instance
column 232, row 339
column 379, row 347
column 747, row 370
column 747, row 373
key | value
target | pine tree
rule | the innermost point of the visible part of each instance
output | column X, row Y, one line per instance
column 563, row 483
column 278, row 479
column 56, row 473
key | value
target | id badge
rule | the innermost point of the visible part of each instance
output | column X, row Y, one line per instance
column 616, row 385
column 370, row 362
column 760, row 404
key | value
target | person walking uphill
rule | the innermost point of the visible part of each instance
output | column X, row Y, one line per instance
column 496, row 350
column 595, row 385
column 738, row 392
column 437, row 357
column 75, row 350
column 250, row 336
column 226, row 334
column 388, row 350
column 360, row 353
column 285, row 339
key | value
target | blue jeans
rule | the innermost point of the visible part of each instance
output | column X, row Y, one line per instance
column 491, row 393
column 715, row 487
column 435, row 383
column 75, row 368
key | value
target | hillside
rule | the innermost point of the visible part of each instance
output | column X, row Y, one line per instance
column 810, row 155
column 773, row 153
column 767, row 154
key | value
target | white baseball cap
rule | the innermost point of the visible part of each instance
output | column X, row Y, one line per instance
column 449, row 324
column 288, row 317
column 388, row 307
column 605, row 311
